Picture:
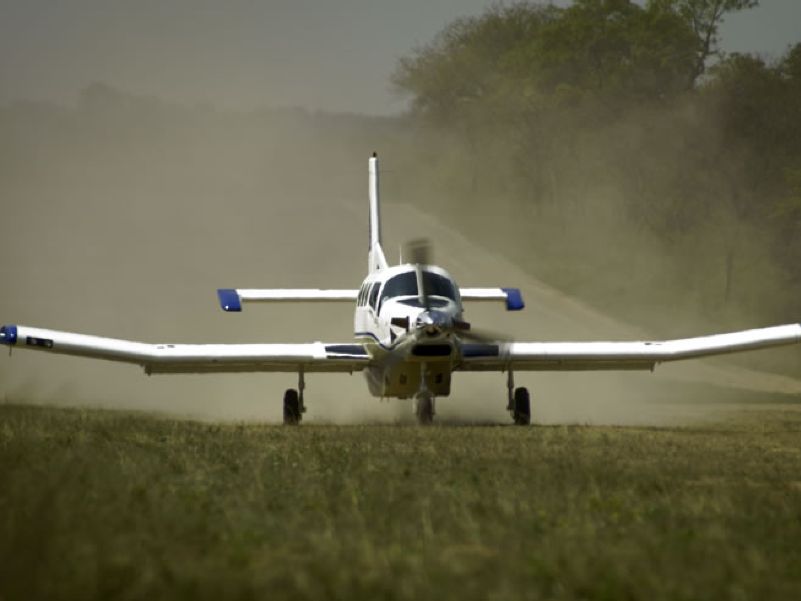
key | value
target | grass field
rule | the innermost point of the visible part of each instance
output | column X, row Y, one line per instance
column 111, row 505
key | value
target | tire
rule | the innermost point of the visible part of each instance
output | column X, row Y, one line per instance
column 291, row 407
column 425, row 410
column 522, row 408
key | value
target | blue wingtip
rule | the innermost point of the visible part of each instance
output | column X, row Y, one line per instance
column 229, row 300
column 514, row 300
column 8, row 335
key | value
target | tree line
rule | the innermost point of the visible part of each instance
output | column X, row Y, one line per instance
column 609, row 147
column 619, row 118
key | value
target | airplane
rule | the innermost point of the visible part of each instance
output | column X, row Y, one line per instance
column 410, row 337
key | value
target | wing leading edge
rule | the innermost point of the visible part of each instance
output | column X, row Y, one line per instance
column 583, row 356
column 193, row 358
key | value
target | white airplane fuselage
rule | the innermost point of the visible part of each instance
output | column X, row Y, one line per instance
column 403, row 337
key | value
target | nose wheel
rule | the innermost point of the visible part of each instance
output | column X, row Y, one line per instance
column 424, row 409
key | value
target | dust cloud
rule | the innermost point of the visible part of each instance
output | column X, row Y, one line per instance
column 124, row 214
column 675, row 393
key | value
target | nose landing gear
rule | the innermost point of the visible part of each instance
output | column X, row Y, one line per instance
column 424, row 409
column 424, row 400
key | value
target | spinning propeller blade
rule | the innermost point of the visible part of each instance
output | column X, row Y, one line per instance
column 419, row 253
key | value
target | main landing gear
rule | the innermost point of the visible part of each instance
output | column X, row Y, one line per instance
column 293, row 402
column 519, row 401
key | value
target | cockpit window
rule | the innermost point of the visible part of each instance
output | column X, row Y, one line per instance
column 405, row 284
column 437, row 285
column 363, row 293
column 374, row 295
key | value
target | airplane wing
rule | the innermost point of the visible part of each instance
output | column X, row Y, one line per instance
column 231, row 299
column 193, row 358
column 511, row 296
column 583, row 356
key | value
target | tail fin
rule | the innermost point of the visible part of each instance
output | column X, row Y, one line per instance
column 376, row 259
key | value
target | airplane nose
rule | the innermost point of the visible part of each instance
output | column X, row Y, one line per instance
column 433, row 323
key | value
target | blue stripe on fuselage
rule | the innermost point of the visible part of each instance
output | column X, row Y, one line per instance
column 376, row 339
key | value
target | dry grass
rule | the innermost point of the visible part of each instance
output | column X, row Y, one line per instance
column 110, row 505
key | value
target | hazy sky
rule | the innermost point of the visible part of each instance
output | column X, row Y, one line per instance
column 331, row 54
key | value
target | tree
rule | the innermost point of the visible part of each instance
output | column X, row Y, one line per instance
column 617, row 50
column 705, row 18
column 513, row 58
column 467, row 60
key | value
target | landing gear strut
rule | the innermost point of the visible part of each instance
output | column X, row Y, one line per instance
column 425, row 409
column 294, row 408
column 424, row 400
column 519, row 401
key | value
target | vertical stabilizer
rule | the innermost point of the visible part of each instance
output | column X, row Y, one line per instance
column 376, row 259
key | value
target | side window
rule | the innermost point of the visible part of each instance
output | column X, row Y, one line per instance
column 363, row 294
column 374, row 294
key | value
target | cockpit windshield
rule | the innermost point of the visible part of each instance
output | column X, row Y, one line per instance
column 405, row 284
column 437, row 285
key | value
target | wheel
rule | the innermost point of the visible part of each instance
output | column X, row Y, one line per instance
column 522, row 407
column 425, row 410
column 291, row 407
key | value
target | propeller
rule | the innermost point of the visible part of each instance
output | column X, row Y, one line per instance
column 419, row 253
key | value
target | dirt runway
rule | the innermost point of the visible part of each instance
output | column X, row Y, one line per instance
column 162, row 292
